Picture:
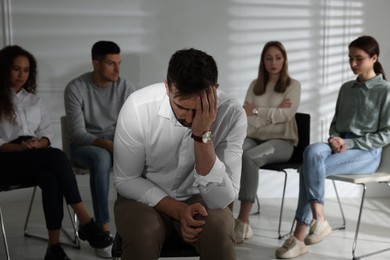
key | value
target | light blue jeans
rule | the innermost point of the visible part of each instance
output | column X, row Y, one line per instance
column 99, row 161
column 319, row 162
column 256, row 154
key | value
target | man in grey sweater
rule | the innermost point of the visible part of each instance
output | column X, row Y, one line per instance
column 92, row 103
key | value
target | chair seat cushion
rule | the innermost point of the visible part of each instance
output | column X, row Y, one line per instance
column 370, row 178
column 281, row 166
column 15, row 186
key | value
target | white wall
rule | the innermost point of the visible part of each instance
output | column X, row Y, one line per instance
column 316, row 34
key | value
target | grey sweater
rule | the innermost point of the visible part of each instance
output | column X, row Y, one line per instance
column 92, row 112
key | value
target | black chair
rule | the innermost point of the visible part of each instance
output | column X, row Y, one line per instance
column 303, row 123
column 174, row 247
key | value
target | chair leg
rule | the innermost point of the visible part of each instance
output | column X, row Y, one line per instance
column 74, row 236
column 4, row 236
column 282, row 206
column 75, row 242
column 292, row 226
column 29, row 212
column 354, row 245
column 340, row 207
column 257, row 212
column 280, row 236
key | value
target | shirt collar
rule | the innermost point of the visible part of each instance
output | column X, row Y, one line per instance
column 166, row 111
column 369, row 83
column 20, row 94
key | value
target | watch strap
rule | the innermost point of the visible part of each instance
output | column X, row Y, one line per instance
column 197, row 138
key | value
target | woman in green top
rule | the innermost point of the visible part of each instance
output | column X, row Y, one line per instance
column 359, row 129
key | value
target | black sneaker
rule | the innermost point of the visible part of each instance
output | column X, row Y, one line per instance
column 55, row 252
column 94, row 235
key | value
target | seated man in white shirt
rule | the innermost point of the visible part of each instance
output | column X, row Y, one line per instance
column 177, row 162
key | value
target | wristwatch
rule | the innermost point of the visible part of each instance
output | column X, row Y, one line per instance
column 205, row 138
column 255, row 111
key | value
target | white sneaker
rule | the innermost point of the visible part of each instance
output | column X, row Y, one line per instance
column 318, row 231
column 104, row 252
column 291, row 248
column 242, row 231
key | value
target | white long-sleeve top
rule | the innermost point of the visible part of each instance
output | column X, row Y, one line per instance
column 274, row 122
column 32, row 119
column 154, row 154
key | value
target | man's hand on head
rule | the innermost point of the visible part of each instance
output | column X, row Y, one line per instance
column 206, row 111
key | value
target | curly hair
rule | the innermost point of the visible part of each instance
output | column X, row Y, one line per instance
column 7, row 57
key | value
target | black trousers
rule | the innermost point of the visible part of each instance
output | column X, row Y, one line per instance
column 50, row 169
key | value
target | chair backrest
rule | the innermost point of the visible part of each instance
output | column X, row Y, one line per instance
column 65, row 146
column 385, row 160
column 303, row 123
column 65, row 136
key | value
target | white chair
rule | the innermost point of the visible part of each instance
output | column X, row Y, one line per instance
column 76, row 168
column 72, row 236
column 382, row 175
column 10, row 187
column 65, row 147
column 4, row 236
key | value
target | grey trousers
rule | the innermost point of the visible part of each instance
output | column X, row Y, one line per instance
column 144, row 230
column 256, row 154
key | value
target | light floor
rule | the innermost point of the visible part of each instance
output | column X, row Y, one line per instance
column 374, row 233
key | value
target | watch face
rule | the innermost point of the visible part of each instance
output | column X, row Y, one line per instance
column 206, row 137
column 255, row 111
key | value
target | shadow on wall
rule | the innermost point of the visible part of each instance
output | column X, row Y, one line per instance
column 316, row 35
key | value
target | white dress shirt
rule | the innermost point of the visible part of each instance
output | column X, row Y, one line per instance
column 154, row 154
column 32, row 119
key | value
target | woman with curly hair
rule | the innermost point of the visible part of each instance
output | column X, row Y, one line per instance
column 27, row 157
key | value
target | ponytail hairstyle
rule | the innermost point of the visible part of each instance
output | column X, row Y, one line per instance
column 263, row 75
column 369, row 45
